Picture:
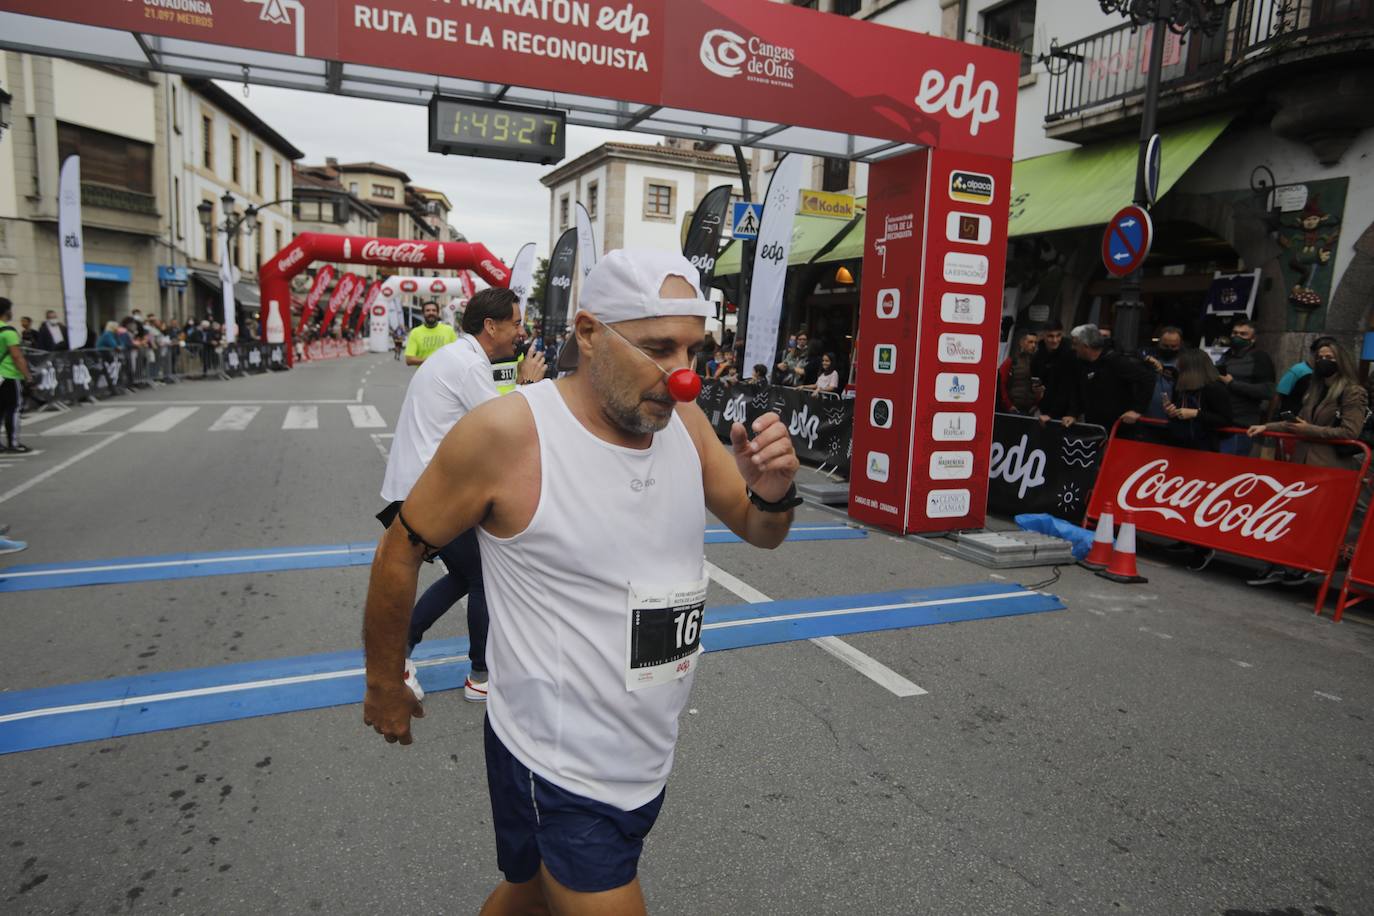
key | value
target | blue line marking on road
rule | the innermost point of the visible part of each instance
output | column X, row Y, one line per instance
column 123, row 570
column 97, row 710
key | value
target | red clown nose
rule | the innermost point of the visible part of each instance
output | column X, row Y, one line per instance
column 684, row 385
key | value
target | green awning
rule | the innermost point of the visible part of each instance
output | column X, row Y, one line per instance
column 809, row 235
column 1086, row 186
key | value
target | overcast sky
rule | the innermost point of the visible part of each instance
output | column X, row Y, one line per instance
column 500, row 204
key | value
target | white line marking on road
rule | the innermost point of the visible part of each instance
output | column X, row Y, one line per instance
column 15, row 491
column 869, row 667
column 164, row 420
column 1097, row 612
column 1241, row 663
column 358, row 398
column 997, row 577
column 235, row 419
column 377, row 441
column 1327, row 696
column 365, row 416
column 210, row 691
column 301, row 416
column 207, row 561
column 1154, row 633
column 89, row 421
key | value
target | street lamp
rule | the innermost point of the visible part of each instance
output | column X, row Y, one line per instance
column 1179, row 17
column 234, row 221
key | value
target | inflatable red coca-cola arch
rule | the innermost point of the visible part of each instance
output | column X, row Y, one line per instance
column 274, row 279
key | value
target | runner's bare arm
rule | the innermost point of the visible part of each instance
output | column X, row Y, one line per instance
column 455, row 492
column 766, row 464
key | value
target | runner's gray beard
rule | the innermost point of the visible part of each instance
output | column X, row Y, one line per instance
column 618, row 407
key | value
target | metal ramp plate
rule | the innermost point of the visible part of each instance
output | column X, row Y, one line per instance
column 1004, row 549
column 827, row 494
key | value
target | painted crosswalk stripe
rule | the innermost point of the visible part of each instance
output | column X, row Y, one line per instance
column 235, row 418
column 301, row 416
column 164, row 420
column 89, row 422
column 365, row 416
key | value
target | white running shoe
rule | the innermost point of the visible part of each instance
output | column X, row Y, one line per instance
column 475, row 691
column 413, row 681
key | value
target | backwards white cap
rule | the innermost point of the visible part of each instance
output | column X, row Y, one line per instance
column 625, row 284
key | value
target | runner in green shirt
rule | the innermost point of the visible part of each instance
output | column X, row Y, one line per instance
column 13, row 369
column 426, row 338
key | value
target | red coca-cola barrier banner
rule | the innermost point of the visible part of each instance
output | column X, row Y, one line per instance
column 1287, row 514
column 747, row 58
column 343, row 294
column 1359, row 579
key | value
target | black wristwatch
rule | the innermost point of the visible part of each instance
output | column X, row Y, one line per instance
column 790, row 500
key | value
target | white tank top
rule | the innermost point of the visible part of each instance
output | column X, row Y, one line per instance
column 608, row 518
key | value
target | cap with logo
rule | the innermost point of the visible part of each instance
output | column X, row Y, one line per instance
column 625, row 284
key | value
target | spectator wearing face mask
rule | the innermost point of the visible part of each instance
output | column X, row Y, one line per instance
column 787, row 371
column 1111, row 386
column 1163, row 359
column 52, row 334
column 1248, row 374
column 1334, row 407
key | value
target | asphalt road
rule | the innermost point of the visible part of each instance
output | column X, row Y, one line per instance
column 1190, row 746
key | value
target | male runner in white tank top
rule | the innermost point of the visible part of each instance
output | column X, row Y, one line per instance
column 589, row 497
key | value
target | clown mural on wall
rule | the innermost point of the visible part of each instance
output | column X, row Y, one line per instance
column 1309, row 229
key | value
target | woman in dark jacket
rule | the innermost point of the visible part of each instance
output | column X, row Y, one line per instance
column 1200, row 405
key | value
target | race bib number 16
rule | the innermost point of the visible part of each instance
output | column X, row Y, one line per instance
column 663, row 633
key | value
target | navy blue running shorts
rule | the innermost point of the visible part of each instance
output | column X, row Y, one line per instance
column 587, row 845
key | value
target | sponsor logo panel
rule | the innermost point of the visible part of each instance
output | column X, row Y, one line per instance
column 960, row 348
column 962, row 308
column 880, row 413
column 948, row 503
column 970, row 228
column 971, row 187
column 953, row 427
column 885, row 359
column 956, row 387
column 961, row 267
column 951, row 465
column 889, row 303
column 878, row 467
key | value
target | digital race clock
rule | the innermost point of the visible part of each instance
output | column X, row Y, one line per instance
column 496, row 131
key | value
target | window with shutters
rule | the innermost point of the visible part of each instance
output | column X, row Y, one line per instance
column 234, row 174
column 207, row 142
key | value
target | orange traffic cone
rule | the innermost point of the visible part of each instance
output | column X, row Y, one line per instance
column 1101, row 554
column 1122, row 566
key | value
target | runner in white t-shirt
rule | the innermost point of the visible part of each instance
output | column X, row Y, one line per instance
column 589, row 495
column 454, row 380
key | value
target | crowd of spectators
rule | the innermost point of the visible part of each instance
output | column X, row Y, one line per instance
column 1224, row 399
column 800, row 364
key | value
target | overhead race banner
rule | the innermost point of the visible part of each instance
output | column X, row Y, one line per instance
column 702, row 244
column 558, row 287
column 312, row 299
column 769, row 61
column 1282, row 513
column 586, row 242
column 770, row 262
column 1037, row 467
column 72, row 253
column 522, row 275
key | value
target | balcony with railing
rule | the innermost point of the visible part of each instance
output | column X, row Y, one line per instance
column 1097, row 82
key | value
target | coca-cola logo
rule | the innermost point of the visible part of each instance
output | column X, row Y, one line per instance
column 400, row 253
column 494, row 270
column 409, row 286
column 292, row 258
column 1226, row 505
column 437, row 286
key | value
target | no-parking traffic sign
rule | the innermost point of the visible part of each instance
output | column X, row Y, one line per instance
column 1126, row 243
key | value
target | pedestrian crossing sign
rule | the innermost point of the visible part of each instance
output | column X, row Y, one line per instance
column 746, row 220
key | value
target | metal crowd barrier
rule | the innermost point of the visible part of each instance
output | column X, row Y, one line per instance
column 66, row 378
